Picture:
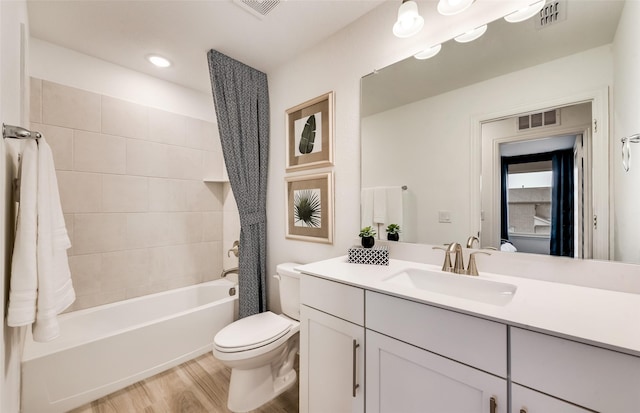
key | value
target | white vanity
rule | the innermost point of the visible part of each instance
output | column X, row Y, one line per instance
column 378, row 338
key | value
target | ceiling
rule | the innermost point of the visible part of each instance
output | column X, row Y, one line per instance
column 125, row 32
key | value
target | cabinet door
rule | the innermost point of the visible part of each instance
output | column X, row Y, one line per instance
column 331, row 363
column 404, row 378
column 528, row 401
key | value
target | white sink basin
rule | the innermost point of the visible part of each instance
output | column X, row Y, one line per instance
column 455, row 285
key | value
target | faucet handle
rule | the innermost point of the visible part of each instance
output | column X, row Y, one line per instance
column 446, row 266
column 472, row 268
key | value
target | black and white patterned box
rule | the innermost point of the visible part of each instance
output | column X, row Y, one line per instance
column 378, row 255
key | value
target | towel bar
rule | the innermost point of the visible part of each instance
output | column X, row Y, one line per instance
column 17, row 132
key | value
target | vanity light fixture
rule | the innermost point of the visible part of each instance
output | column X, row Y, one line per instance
column 158, row 61
column 471, row 35
column 428, row 53
column 526, row 13
column 409, row 21
column 451, row 7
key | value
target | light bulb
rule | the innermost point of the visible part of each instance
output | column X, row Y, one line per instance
column 409, row 21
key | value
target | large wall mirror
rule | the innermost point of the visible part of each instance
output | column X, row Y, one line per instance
column 474, row 134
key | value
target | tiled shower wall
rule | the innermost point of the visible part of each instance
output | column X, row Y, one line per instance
column 140, row 218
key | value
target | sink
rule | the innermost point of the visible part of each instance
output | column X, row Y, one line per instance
column 455, row 285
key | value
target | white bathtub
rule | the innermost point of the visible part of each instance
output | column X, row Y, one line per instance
column 103, row 349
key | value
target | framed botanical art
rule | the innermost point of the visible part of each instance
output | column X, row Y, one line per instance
column 310, row 133
column 309, row 207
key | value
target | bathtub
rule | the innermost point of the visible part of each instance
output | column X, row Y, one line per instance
column 106, row 348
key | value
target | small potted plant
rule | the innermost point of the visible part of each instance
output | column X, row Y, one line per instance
column 393, row 232
column 367, row 234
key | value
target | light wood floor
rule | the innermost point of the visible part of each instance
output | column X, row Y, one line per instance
column 197, row 386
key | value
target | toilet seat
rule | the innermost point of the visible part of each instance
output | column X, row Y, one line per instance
column 252, row 332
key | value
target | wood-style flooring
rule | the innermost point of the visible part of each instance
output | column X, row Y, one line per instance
column 197, row 386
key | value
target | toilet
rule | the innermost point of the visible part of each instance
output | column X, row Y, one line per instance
column 261, row 349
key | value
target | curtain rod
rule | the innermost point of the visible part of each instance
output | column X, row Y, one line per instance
column 17, row 132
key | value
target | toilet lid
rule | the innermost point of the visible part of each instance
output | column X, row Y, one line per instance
column 251, row 332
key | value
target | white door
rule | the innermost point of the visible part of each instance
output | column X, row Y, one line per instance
column 331, row 363
column 407, row 379
column 524, row 400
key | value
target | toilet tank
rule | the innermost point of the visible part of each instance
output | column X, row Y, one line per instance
column 289, row 289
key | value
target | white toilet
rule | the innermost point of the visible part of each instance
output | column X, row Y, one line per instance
column 261, row 349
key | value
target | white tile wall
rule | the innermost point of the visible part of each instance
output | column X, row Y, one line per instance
column 140, row 218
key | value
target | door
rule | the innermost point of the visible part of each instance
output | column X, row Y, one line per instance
column 331, row 363
column 404, row 378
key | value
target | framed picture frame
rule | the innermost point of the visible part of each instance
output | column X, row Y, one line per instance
column 309, row 129
column 309, row 207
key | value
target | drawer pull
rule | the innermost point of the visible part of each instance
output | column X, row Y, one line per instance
column 355, row 384
column 492, row 405
column 523, row 410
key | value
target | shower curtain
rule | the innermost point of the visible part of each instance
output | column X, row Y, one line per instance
column 241, row 99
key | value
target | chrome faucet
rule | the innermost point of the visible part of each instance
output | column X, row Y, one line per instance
column 458, row 263
column 471, row 240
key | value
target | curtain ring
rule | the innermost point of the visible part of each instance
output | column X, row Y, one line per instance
column 626, row 154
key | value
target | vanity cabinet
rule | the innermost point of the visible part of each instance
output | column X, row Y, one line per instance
column 331, row 347
column 423, row 358
column 582, row 375
column 408, row 379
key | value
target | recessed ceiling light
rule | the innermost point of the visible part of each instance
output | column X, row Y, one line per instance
column 471, row 35
column 158, row 61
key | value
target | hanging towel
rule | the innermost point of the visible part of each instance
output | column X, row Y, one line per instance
column 366, row 207
column 379, row 205
column 394, row 196
column 52, row 287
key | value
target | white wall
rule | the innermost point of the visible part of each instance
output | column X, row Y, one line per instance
column 626, row 121
column 337, row 64
column 14, row 88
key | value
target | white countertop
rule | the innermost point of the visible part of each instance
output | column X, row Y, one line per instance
column 607, row 319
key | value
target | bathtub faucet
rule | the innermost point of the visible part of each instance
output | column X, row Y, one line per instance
column 224, row 273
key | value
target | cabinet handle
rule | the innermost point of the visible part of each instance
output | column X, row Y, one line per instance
column 355, row 384
column 493, row 405
column 523, row 410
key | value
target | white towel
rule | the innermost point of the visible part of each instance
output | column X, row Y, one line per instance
column 24, row 268
column 394, row 196
column 379, row 205
column 52, row 285
column 366, row 207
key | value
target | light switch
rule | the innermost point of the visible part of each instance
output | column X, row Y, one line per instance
column 444, row 216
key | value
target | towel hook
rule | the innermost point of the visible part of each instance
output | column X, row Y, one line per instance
column 626, row 150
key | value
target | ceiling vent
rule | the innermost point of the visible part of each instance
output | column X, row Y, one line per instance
column 536, row 120
column 552, row 13
column 258, row 8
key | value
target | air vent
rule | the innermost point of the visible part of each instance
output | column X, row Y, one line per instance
column 536, row 120
column 552, row 13
column 258, row 8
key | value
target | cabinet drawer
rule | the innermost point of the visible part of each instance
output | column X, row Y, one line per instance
column 598, row 379
column 529, row 401
column 469, row 340
column 340, row 300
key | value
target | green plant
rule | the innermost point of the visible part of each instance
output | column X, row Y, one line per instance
column 307, row 208
column 393, row 229
column 367, row 232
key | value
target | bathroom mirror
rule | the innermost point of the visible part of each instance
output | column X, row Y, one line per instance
column 422, row 122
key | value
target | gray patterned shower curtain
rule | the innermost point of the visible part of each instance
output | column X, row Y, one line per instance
column 241, row 98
